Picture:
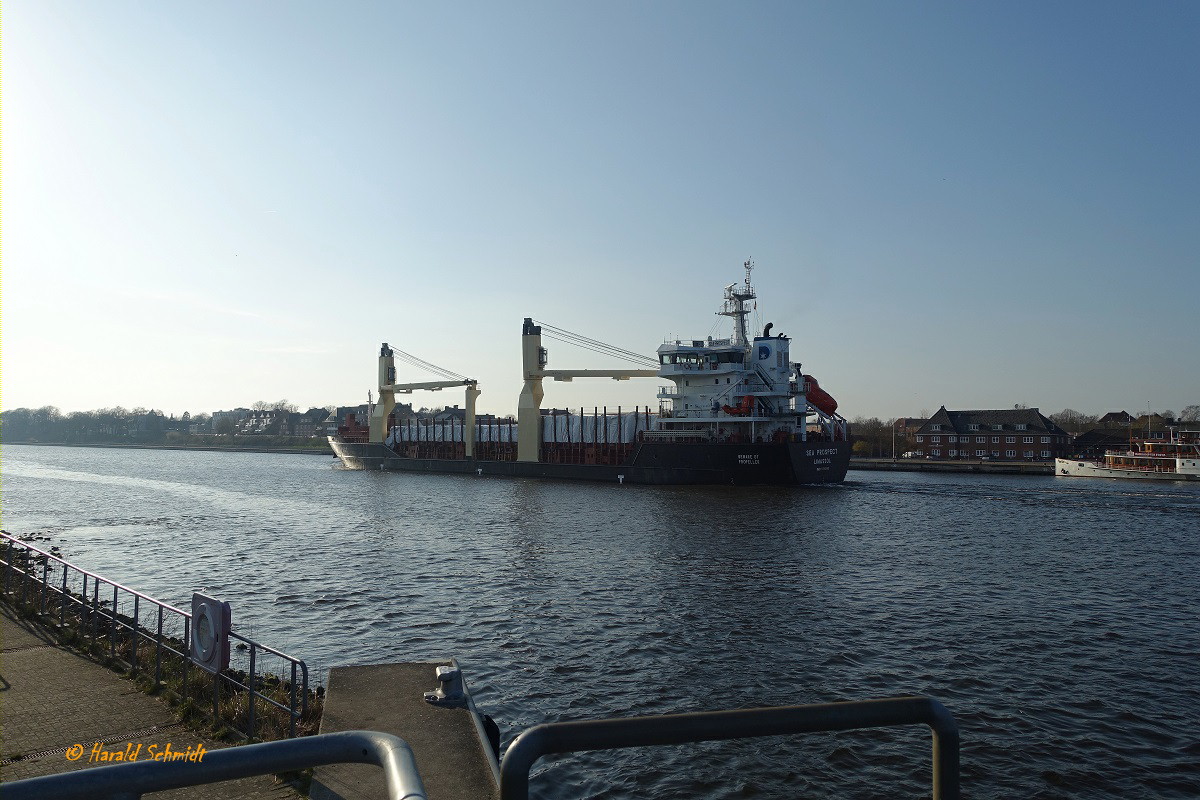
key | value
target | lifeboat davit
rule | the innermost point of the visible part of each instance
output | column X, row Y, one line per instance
column 818, row 396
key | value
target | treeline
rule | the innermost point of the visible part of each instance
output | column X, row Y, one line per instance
column 128, row 426
column 1073, row 421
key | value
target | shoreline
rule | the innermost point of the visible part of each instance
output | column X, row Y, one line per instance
column 982, row 467
column 318, row 451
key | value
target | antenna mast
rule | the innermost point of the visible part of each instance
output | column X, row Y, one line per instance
column 735, row 304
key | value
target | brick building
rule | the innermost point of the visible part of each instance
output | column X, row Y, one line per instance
column 1015, row 434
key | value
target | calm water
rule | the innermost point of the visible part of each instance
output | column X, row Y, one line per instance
column 1056, row 618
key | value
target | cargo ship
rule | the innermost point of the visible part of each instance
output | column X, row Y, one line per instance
column 736, row 411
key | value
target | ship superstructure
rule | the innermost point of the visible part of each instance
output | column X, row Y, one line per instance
column 741, row 389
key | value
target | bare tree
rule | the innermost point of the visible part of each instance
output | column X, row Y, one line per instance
column 1190, row 414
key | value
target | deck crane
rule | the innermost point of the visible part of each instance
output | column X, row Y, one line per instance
column 388, row 389
column 533, row 368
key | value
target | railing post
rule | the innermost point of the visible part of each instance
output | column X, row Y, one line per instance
column 292, row 705
column 133, row 638
column 187, row 652
column 158, row 650
column 112, row 628
column 95, row 613
column 250, row 732
column 45, row 572
column 24, row 579
column 62, row 600
column 8, row 566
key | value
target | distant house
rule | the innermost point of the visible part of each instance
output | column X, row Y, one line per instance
column 268, row 422
column 1093, row 443
column 907, row 427
column 306, row 424
column 237, row 415
column 358, row 412
column 1015, row 434
column 451, row 412
column 1115, row 419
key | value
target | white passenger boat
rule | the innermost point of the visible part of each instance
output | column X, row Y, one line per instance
column 1175, row 460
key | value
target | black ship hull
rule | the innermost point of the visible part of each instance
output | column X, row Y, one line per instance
column 785, row 463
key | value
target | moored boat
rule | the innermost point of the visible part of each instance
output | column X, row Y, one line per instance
column 738, row 411
column 1175, row 460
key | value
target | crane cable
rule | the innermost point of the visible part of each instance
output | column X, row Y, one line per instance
column 587, row 343
column 420, row 363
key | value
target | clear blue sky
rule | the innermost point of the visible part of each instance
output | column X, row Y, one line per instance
column 969, row 204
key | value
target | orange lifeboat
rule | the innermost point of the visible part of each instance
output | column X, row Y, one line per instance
column 743, row 409
column 818, row 396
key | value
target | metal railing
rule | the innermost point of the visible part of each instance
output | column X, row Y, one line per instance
column 607, row 734
column 137, row 628
column 130, row 781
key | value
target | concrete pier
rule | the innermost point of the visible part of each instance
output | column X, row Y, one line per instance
column 454, row 761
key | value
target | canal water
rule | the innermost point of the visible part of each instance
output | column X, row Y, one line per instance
column 1058, row 619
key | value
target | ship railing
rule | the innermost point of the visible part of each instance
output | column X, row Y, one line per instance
column 149, row 637
column 676, row 729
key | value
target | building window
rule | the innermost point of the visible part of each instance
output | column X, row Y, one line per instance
column 1029, row 454
column 981, row 453
column 935, row 427
column 995, row 440
column 1010, row 453
column 953, row 453
column 952, row 439
column 997, row 427
column 1026, row 440
column 920, row 438
column 980, row 439
column 1010, row 439
column 1045, row 454
column 1019, row 427
column 935, row 439
column 972, row 427
column 936, row 452
column 995, row 454
column 1045, row 440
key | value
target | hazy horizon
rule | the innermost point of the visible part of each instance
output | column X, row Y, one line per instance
column 969, row 205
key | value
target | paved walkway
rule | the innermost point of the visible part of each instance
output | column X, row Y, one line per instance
column 52, row 698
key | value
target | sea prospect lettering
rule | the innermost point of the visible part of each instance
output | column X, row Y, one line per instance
column 748, row 459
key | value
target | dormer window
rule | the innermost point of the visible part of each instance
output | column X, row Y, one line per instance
column 972, row 427
column 1020, row 427
column 997, row 427
column 935, row 427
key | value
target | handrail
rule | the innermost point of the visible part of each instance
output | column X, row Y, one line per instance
column 130, row 781
column 97, row 619
column 607, row 734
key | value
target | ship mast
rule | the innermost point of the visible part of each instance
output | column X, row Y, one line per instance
column 736, row 298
